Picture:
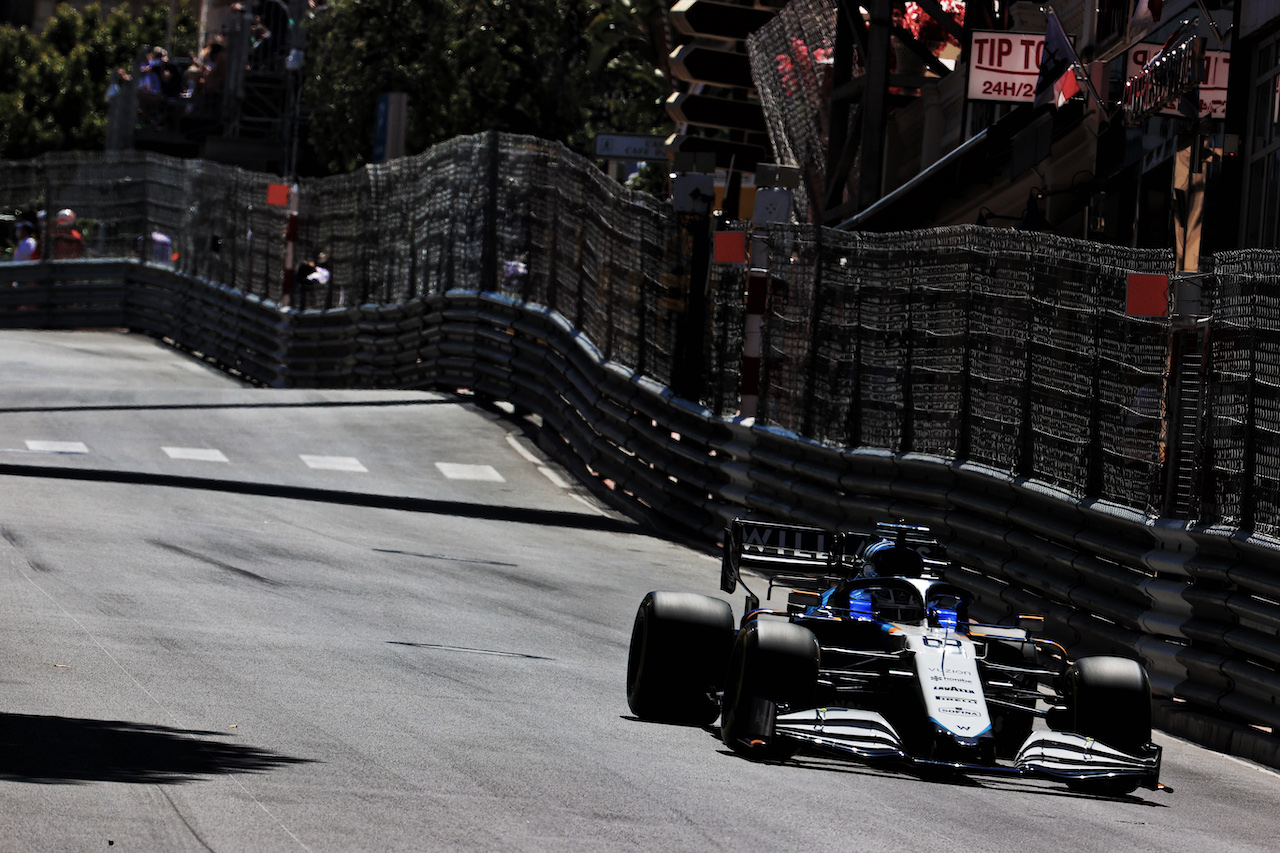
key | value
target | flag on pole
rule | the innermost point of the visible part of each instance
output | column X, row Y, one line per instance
column 1057, row 82
column 1146, row 17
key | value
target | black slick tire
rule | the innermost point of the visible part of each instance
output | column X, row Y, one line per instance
column 680, row 644
column 1109, row 699
column 773, row 664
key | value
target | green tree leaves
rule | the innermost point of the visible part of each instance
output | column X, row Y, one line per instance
column 519, row 66
column 53, row 86
column 556, row 69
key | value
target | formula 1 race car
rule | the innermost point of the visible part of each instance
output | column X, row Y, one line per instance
column 876, row 658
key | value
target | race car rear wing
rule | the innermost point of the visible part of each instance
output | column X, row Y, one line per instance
column 789, row 554
column 810, row 558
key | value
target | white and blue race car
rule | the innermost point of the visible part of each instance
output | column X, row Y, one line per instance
column 876, row 658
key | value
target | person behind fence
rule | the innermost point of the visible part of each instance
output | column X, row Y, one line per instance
column 68, row 243
column 212, row 65
column 27, row 249
column 271, row 28
column 171, row 84
column 150, row 96
column 313, row 277
column 155, row 248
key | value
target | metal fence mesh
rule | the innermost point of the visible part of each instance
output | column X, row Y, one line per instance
column 511, row 214
column 791, row 66
column 1000, row 347
column 1242, row 416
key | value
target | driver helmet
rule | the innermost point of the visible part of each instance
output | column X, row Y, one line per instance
column 887, row 559
column 66, row 217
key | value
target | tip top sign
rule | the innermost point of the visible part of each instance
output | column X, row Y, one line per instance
column 1003, row 66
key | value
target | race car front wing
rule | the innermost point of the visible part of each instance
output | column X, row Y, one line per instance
column 1063, row 756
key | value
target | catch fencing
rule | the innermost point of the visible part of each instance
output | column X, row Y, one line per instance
column 984, row 382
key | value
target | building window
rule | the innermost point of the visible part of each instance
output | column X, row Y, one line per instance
column 1113, row 18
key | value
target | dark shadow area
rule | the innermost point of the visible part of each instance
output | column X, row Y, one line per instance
column 551, row 518
column 65, row 750
column 178, row 407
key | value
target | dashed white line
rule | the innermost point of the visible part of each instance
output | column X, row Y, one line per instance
column 521, row 449
column 554, row 477
column 334, row 463
column 549, row 473
column 196, row 454
column 57, row 446
column 458, row 471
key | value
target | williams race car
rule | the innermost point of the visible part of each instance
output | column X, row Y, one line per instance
column 876, row 658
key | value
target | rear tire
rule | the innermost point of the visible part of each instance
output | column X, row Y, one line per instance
column 774, row 663
column 680, row 644
column 1110, row 701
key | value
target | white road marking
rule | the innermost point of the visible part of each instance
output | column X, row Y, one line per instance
column 197, row 454
column 521, row 449
column 458, row 471
column 589, row 505
column 57, row 446
column 334, row 463
column 549, row 473
column 554, row 477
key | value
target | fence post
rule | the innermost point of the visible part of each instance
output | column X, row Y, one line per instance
column 772, row 207
column 693, row 191
column 489, row 251
column 688, row 372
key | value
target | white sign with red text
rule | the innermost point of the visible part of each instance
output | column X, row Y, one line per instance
column 1003, row 66
column 1213, row 88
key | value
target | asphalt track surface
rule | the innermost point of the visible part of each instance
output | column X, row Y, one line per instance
column 416, row 643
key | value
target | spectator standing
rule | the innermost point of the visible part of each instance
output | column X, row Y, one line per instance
column 312, row 277
column 68, row 243
column 28, row 249
column 212, row 64
column 272, row 16
column 155, row 248
column 150, row 95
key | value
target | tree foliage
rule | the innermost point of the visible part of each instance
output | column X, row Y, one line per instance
column 53, row 85
column 556, row 69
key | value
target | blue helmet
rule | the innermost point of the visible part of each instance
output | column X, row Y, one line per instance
column 886, row 559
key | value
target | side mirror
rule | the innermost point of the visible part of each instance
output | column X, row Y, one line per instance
column 1033, row 625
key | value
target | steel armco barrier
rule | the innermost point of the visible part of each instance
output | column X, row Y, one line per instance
column 1197, row 605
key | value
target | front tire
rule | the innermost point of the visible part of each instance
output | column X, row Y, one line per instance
column 1110, row 701
column 680, row 644
column 773, row 664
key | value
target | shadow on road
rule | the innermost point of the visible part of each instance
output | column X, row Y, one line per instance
column 65, row 750
column 491, row 512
